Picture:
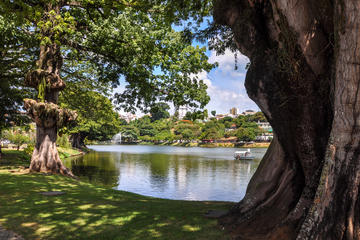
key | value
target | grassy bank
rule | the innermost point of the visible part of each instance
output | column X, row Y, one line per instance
column 68, row 152
column 16, row 159
column 92, row 212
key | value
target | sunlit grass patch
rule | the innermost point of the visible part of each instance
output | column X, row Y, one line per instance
column 190, row 228
column 87, row 212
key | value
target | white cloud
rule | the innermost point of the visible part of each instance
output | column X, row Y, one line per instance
column 227, row 60
column 225, row 85
column 223, row 99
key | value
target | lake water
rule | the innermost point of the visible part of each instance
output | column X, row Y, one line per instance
column 168, row 172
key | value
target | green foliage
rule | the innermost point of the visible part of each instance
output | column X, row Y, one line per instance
column 246, row 134
column 104, row 41
column 259, row 116
column 145, row 127
column 97, row 119
column 29, row 149
column 17, row 136
column 42, row 89
column 16, row 58
column 159, row 111
column 227, row 121
column 63, row 141
column 213, row 130
column 171, row 129
column 129, row 133
column 187, row 131
column 164, row 135
column 213, row 112
column 188, row 116
column 211, row 133
column 196, row 115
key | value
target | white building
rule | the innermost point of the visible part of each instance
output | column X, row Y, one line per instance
column 264, row 125
column 183, row 110
column 128, row 117
column 267, row 135
column 221, row 116
column 249, row 112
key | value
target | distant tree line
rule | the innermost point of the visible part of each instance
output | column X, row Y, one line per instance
column 152, row 128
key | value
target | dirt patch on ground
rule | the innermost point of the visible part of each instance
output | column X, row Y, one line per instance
column 9, row 235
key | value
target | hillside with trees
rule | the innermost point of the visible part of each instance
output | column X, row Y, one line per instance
column 169, row 130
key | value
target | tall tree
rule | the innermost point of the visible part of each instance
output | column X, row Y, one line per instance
column 304, row 75
column 159, row 111
column 16, row 57
column 97, row 119
column 116, row 39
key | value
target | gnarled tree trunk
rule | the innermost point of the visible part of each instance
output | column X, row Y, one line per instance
column 304, row 75
column 77, row 141
column 48, row 116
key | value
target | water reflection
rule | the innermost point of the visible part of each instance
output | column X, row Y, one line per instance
column 168, row 172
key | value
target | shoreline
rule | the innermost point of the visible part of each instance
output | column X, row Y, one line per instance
column 210, row 145
column 127, row 214
column 192, row 144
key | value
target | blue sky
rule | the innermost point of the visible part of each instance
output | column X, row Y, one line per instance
column 225, row 84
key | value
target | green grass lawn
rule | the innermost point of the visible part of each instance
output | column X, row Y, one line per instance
column 14, row 159
column 92, row 212
column 67, row 152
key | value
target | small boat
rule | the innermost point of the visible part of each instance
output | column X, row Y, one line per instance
column 243, row 155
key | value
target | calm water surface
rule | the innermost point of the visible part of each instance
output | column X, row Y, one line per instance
column 168, row 172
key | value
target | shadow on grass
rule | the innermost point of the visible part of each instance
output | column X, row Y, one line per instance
column 14, row 159
column 92, row 212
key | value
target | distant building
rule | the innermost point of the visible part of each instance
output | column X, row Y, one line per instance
column 232, row 128
column 264, row 138
column 249, row 112
column 221, row 116
column 264, row 126
column 183, row 110
column 234, row 111
column 267, row 135
column 128, row 117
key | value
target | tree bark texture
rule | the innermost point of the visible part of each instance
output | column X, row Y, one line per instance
column 304, row 75
column 77, row 141
column 48, row 116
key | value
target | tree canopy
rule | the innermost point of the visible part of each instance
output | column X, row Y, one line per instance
column 159, row 111
column 16, row 58
column 106, row 41
column 96, row 120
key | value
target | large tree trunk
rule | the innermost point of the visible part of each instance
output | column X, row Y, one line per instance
column 48, row 118
column 47, row 115
column 77, row 141
column 304, row 75
column 46, row 157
